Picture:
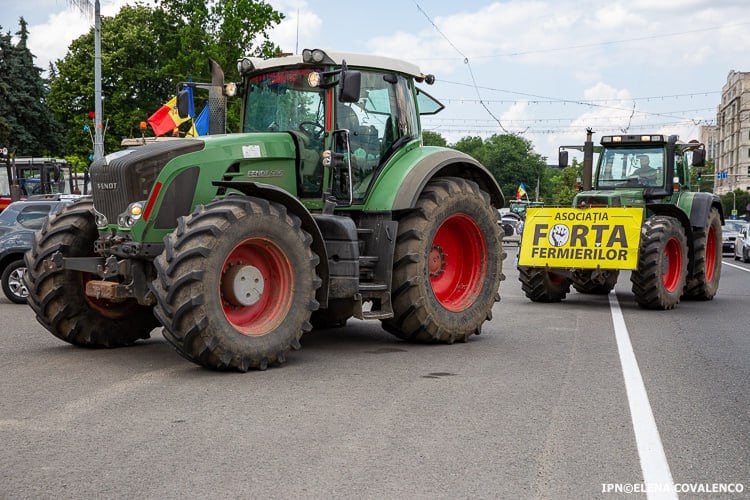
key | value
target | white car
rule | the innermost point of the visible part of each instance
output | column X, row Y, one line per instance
column 742, row 244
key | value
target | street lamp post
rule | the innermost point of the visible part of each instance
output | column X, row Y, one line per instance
column 85, row 7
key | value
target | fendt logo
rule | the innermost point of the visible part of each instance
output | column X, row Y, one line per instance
column 106, row 185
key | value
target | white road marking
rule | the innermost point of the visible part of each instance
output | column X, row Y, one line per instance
column 656, row 473
column 735, row 266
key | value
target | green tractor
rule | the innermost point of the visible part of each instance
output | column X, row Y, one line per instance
column 676, row 236
column 326, row 206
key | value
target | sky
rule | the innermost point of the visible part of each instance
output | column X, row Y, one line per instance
column 543, row 69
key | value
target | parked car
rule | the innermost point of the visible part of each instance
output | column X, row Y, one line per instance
column 742, row 244
column 729, row 232
column 509, row 223
column 18, row 222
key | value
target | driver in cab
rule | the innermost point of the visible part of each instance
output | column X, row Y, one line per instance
column 647, row 175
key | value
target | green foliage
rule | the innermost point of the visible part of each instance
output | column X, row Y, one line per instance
column 738, row 199
column 706, row 183
column 430, row 138
column 27, row 125
column 563, row 185
column 146, row 52
column 511, row 159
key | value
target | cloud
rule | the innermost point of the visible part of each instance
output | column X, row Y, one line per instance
column 300, row 28
column 49, row 40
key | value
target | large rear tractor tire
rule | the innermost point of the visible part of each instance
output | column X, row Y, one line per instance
column 659, row 280
column 447, row 264
column 542, row 285
column 236, row 284
column 595, row 281
column 707, row 248
column 58, row 296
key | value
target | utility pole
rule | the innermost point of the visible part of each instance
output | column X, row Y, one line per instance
column 98, row 136
column 86, row 9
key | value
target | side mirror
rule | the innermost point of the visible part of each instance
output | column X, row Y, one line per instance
column 351, row 82
column 562, row 159
column 183, row 103
column 699, row 157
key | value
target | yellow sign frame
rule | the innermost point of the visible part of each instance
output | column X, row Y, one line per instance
column 581, row 238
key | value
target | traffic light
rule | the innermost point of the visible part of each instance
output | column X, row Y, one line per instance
column 700, row 175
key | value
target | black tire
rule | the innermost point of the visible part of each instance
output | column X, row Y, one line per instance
column 594, row 281
column 707, row 255
column 659, row 280
column 13, row 282
column 428, row 303
column 541, row 285
column 58, row 296
column 745, row 256
column 209, row 314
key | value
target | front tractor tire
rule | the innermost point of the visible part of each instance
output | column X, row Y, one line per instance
column 236, row 284
column 659, row 280
column 539, row 284
column 447, row 264
column 58, row 296
column 707, row 248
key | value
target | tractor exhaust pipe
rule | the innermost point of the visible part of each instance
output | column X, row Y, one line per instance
column 217, row 101
column 588, row 160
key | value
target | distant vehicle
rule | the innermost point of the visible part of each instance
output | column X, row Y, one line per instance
column 742, row 244
column 22, row 177
column 18, row 222
column 509, row 222
column 519, row 207
column 728, row 234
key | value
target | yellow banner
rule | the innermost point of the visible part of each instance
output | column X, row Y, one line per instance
column 581, row 238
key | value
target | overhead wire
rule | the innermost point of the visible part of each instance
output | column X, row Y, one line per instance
column 466, row 62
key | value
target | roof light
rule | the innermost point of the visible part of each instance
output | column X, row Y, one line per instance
column 230, row 89
column 616, row 138
column 313, row 79
column 657, row 137
column 313, row 56
column 646, row 138
column 245, row 65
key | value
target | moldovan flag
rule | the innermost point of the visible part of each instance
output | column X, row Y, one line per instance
column 521, row 191
column 166, row 118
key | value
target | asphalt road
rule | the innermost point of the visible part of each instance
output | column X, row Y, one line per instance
column 535, row 407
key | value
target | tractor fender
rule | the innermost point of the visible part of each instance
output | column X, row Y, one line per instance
column 294, row 206
column 443, row 163
column 699, row 205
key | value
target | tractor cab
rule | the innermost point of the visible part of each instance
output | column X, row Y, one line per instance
column 346, row 114
column 638, row 170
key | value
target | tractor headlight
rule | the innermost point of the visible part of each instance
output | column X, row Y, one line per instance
column 131, row 214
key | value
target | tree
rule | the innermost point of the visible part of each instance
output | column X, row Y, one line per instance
column 735, row 200
column 511, row 160
column 145, row 53
column 27, row 125
column 430, row 138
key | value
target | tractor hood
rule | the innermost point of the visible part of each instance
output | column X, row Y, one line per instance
column 609, row 198
column 183, row 171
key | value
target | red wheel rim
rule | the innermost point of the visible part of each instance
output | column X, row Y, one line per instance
column 257, row 309
column 672, row 265
column 710, row 253
column 457, row 262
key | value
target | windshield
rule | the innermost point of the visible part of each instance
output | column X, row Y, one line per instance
column 284, row 101
column 631, row 167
